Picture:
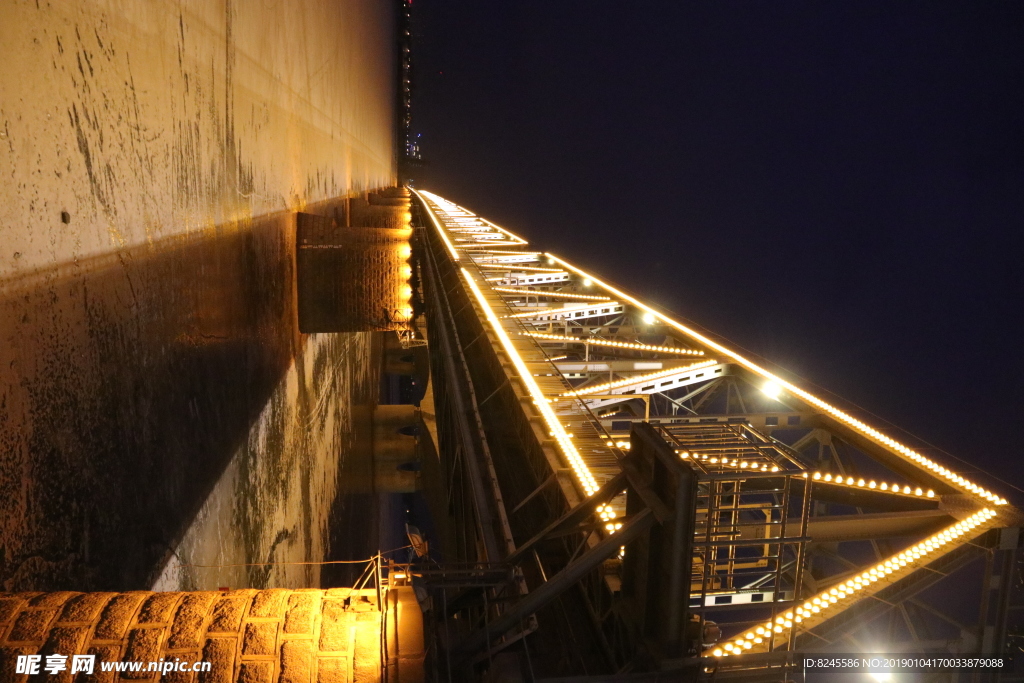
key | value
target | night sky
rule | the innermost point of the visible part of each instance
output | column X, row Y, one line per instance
column 837, row 186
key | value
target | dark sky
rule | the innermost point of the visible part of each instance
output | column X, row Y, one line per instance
column 837, row 186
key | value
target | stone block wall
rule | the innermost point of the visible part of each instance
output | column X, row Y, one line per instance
column 353, row 279
column 251, row 636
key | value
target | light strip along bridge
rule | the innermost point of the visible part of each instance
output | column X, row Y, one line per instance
column 706, row 504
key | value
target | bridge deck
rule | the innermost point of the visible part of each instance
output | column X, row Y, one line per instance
column 587, row 360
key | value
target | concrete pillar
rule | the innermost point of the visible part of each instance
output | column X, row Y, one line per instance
column 249, row 636
column 395, row 458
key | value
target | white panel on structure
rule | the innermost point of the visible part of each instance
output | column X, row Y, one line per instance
column 520, row 279
column 656, row 385
column 575, row 312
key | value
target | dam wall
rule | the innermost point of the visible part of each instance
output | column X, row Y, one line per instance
column 159, row 406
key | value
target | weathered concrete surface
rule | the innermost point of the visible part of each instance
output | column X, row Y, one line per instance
column 304, row 636
column 306, row 462
column 151, row 156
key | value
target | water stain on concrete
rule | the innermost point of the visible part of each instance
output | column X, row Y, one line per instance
column 152, row 377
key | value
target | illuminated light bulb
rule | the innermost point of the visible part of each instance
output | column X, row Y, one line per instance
column 587, row 282
column 872, row 484
column 717, row 652
column 860, row 482
column 649, row 318
column 828, row 477
column 789, row 615
column 817, row 475
column 798, row 619
column 610, row 444
column 930, row 494
column 758, row 640
column 884, row 486
column 788, row 624
column 743, row 465
column 775, row 468
column 772, row 389
column 760, row 631
column 815, row 609
column 777, row 629
column 906, row 489
column 816, row 601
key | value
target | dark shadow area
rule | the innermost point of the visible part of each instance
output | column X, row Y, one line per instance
column 126, row 383
column 354, row 529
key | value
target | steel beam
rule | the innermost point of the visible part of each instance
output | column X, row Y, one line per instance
column 557, row 584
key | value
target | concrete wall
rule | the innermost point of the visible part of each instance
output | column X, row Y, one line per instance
column 151, row 120
column 157, row 401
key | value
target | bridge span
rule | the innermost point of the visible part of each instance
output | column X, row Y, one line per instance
column 638, row 495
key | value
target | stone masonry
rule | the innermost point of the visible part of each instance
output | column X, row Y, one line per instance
column 336, row 635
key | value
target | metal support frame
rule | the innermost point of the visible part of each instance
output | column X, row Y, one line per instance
column 795, row 494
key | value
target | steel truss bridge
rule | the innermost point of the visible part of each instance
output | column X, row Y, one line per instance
column 627, row 493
